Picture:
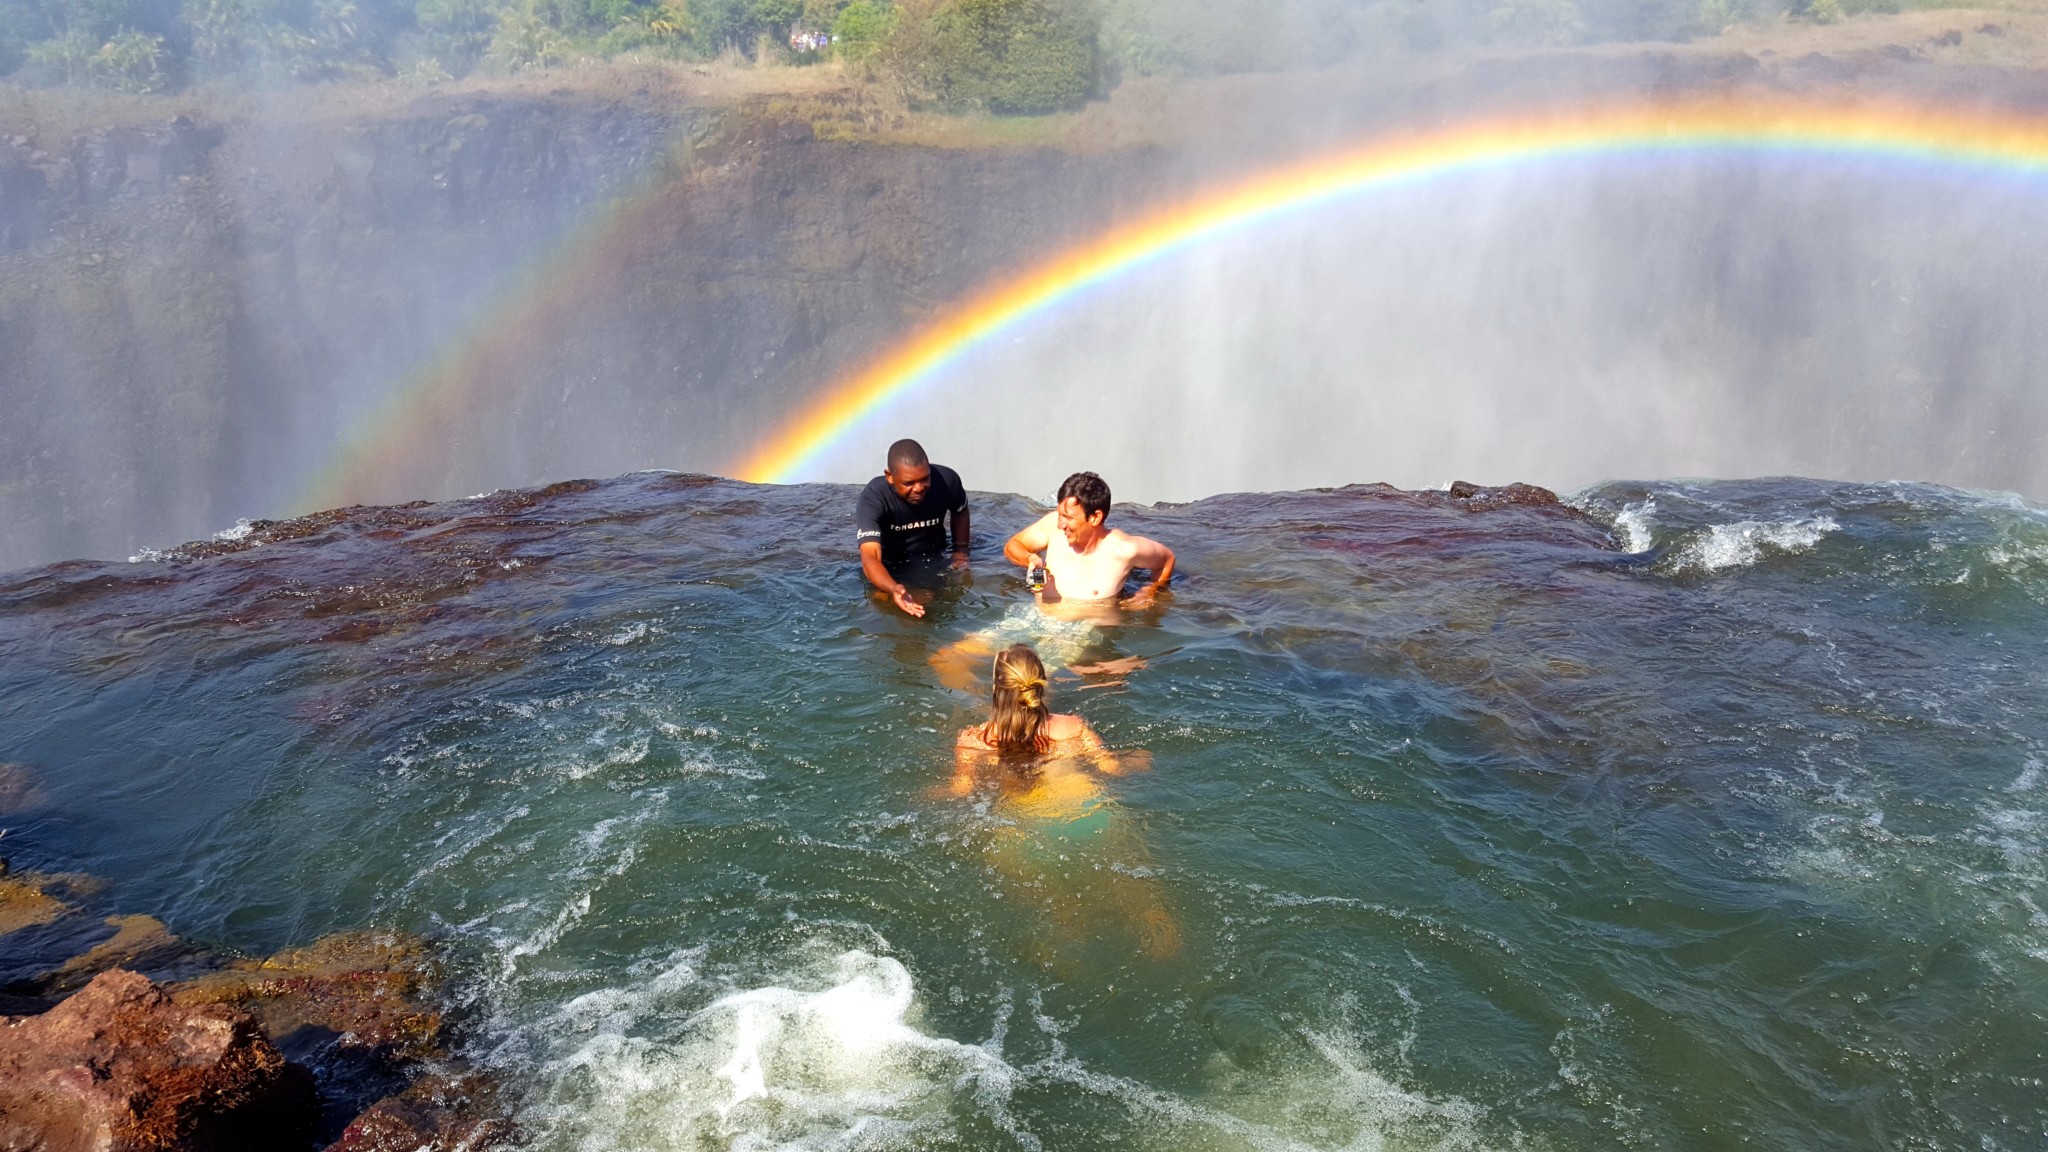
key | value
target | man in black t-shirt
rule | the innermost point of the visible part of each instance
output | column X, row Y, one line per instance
column 902, row 517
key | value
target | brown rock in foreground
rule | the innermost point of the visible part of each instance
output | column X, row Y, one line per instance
column 436, row 1114
column 366, row 990
column 119, row 1067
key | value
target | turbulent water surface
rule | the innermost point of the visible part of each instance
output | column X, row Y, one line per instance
column 1691, row 817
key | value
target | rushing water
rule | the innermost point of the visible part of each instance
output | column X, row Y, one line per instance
column 1700, row 816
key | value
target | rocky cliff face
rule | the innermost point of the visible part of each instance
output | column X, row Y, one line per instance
column 203, row 307
column 196, row 309
column 189, row 308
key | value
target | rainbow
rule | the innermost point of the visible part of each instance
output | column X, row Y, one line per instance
column 400, row 448
column 1969, row 140
column 397, row 450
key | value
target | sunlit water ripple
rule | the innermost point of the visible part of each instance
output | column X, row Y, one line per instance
column 1699, row 816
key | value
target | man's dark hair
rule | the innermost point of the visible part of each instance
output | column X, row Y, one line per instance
column 907, row 454
column 1090, row 490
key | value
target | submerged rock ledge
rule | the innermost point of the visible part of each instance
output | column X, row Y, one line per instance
column 337, row 1043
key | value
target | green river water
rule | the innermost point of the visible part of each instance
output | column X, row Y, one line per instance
column 1695, row 816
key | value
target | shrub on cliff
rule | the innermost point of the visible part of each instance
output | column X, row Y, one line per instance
column 1007, row 56
column 742, row 24
column 75, row 41
column 862, row 29
column 455, row 34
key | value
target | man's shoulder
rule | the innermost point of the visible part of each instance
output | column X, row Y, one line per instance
column 1127, row 543
column 876, row 494
column 871, row 511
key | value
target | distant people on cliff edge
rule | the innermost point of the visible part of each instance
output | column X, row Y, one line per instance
column 900, row 521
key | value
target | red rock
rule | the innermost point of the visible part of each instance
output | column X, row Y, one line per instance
column 371, row 990
column 435, row 1114
column 1505, row 494
column 120, row 1068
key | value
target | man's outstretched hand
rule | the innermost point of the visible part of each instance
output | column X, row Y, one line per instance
column 902, row 597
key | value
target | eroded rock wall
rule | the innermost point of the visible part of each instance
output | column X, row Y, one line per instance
column 247, row 311
column 191, row 308
column 196, row 313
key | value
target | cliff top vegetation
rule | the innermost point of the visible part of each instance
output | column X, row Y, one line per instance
column 999, row 57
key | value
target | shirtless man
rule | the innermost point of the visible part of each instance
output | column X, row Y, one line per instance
column 1084, row 560
column 1085, row 565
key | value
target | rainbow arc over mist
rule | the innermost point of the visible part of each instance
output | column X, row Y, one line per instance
column 1967, row 142
column 1950, row 138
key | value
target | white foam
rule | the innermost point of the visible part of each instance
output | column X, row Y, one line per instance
column 230, row 535
column 837, row 1066
column 1634, row 526
column 1743, row 543
column 832, row 1057
column 2017, row 555
column 2028, row 779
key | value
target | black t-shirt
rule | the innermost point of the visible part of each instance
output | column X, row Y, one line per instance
column 907, row 529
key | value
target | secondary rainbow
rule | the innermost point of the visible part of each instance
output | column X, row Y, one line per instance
column 1968, row 140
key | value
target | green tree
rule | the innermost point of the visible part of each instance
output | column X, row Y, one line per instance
column 456, row 33
column 862, row 28
column 130, row 62
column 55, row 40
column 526, row 39
column 64, row 59
column 1008, row 56
column 741, row 24
column 224, row 34
column 667, row 28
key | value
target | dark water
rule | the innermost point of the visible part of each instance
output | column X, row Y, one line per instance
column 1711, row 817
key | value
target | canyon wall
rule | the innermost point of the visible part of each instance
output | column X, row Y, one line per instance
column 254, row 307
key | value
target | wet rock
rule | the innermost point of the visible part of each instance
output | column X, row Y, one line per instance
column 138, row 942
column 25, row 901
column 50, row 948
column 121, row 1067
column 436, row 1114
column 367, row 990
column 353, row 1009
column 1482, row 496
column 37, row 928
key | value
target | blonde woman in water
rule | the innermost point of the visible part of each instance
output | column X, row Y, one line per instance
column 1044, row 766
column 1020, row 722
